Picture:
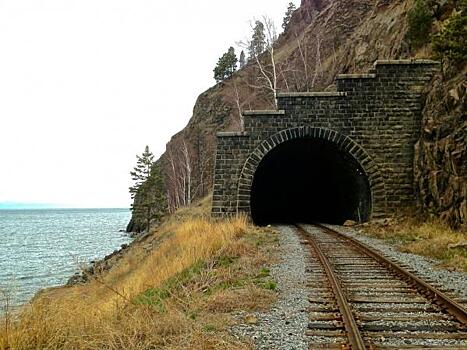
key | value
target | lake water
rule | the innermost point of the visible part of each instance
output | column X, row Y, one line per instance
column 44, row 248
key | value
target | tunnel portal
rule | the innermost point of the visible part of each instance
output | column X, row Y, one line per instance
column 309, row 180
column 345, row 153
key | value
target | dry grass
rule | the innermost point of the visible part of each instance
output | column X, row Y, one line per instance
column 428, row 238
column 177, row 295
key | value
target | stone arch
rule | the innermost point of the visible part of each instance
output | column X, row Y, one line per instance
column 369, row 166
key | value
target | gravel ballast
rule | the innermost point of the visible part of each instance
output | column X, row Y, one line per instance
column 284, row 325
column 453, row 282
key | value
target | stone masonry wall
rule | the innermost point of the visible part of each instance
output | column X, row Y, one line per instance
column 375, row 117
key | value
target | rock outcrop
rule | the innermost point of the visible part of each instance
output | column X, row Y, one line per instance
column 441, row 153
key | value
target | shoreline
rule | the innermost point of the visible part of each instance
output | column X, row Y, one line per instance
column 45, row 248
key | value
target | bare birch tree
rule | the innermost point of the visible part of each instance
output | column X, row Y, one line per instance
column 186, row 164
column 303, row 56
column 318, row 68
column 265, row 60
column 180, row 175
column 201, row 167
column 173, row 185
column 309, row 68
column 239, row 107
column 235, row 95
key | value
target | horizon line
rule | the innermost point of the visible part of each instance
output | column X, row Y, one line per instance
column 19, row 206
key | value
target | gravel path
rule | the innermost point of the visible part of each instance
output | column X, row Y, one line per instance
column 453, row 282
column 283, row 326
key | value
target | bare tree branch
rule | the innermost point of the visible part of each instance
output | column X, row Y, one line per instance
column 187, row 167
column 268, row 73
column 303, row 56
column 318, row 61
column 239, row 107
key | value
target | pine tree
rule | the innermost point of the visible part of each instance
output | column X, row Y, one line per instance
column 419, row 19
column 231, row 62
column 288, row 15
column 141, row 171
column 150, row 201
column 226, row 66
column 148, row 190
column 258, row 40
column 242, row 60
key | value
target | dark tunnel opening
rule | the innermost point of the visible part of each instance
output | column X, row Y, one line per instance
column 309, row 180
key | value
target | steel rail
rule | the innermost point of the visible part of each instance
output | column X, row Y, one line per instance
column 353, row 333
column 441, row 299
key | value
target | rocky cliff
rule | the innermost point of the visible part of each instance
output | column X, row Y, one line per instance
column 325, row 38
column 441, row 153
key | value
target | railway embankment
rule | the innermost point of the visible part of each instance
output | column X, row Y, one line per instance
column 445, row 247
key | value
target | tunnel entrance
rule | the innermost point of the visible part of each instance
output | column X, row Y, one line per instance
column 309, row 180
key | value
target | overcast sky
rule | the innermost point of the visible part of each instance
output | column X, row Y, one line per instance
column 86, row 84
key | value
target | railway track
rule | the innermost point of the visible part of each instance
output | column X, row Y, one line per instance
column 361, row 300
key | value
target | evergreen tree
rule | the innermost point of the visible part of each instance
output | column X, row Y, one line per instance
column 148, row 190
column 258, row 40
column 226, row 66
column 288, row 15
column 150, row 201
column 231, row 61
column 141, row 171
column 419, row 19
column 242, row 60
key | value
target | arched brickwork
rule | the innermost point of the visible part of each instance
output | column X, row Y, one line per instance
column 376, row 182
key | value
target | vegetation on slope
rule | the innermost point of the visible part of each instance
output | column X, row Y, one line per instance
column 440, row 167
column 432, row 239
column 173, row 288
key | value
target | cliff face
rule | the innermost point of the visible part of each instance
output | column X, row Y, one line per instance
column 441, row 153
column 323, row 39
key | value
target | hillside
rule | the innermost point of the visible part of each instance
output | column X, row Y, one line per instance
column 325, row 38
column 176, row 287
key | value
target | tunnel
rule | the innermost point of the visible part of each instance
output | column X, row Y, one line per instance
column 309, row 180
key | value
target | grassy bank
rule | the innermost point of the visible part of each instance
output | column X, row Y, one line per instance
column 428, row 238
column 175, row 288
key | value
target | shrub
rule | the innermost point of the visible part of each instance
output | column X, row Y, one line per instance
column 419, row 19
column 451, row 41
